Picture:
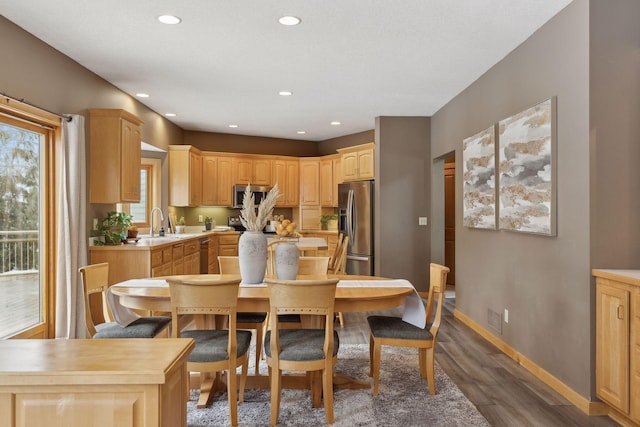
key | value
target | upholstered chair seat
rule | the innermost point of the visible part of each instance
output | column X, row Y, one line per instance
column 144, row 327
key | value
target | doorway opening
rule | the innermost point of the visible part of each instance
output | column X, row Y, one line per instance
column 450, row 218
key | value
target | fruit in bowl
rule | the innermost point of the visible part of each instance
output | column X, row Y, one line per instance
column 286, row 228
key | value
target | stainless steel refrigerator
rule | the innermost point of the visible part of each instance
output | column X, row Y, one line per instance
column 355, row 203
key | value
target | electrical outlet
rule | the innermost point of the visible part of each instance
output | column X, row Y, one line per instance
column 422, row 220
column 199, row 218
column 506, row 316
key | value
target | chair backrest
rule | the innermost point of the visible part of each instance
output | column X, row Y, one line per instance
column 311, row 297
column 229, row 264
column 95, row 282
column 437, row 286
column 203, row 296
column 340, row 266
column 313, row 265
column 336, row 253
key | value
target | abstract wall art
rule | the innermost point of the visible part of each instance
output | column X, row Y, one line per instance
column 526, row 170
column 478, row 180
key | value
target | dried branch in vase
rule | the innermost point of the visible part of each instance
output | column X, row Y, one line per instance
column 248, row 217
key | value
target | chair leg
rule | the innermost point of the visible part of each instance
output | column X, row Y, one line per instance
column 232, row 389
column 341, row 319
column 327, row 392
column 243, row 379
column 422, row 362
column 430, row 371
column 377, row 350
column 259, row 335
column 371, row 339
column 276, row 384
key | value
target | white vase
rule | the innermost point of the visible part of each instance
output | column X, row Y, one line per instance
column 286, row 260
column 252, row 254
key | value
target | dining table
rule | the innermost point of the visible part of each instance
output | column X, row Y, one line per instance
column 354, row 293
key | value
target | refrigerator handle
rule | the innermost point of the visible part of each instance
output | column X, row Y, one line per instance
column 350, row 216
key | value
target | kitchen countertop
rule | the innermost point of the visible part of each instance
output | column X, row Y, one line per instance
column 147, row 243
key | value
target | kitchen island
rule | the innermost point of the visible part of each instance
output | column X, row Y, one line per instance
column 165, row 256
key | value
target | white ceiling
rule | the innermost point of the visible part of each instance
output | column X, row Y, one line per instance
column 349, row 60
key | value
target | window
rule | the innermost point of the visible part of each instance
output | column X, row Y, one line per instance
column 25, row 197
column 141, row 211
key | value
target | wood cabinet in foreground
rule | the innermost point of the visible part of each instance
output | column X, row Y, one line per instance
column 99, row 383
column 618, row 343
column 115, row 139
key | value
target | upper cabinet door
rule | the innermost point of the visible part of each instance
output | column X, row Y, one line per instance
column 242, row 170
column 209, row 180
column 310, row 182
column 358, row 162
column 185, row 176
column 114, row 150
column 261, row 171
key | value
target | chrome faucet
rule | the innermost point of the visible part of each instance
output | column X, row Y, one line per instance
column 151, row 219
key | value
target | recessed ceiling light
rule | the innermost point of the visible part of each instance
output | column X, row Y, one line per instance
column 285, row 93
column 335, row 123
column 170, row 114
column 233, row 126
column 301, row 132
column 169, row 19
column 289, row 20
column 142, row 95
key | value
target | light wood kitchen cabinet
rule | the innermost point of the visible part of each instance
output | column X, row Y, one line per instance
column 358, row 162
column 209, row 179
column 192, row 257
column 217, row 187
column 309, row 217
column 161, row 262
column 310, row 182
column 286, row 174
column 618, row 342
column 185, row 176
column 115, row 151
column 224, row 244
column 330, row 176
column 251, row 170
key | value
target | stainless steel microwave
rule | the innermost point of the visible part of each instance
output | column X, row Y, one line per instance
column 259, row 193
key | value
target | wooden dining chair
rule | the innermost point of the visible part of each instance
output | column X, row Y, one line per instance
column 95, row 282
column 307, row 350
column 246, row 320
column 336, row 252
column 216, row 350
column 340, row 266
column 386, row 330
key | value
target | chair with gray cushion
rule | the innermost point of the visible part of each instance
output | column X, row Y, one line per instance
column 95, row 282
column 248, row 319
column 216, row 350
column 387, row 330
column 310, row 350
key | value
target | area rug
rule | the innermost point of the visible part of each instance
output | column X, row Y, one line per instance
column 403, row 398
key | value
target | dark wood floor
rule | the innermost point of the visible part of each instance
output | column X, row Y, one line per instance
column 503, row 391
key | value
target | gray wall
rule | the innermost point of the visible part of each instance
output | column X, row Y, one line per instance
column 587, row 56
column 544, row 282
column 402, row 166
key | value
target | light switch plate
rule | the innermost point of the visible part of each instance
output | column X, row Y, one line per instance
column 422, row 220
column 199, row 218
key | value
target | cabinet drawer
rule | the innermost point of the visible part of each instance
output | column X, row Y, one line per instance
column 191, row 247
column 178, row 251
column 156, row 258
column 228, row 250
column 228, row 240
column 167, row 255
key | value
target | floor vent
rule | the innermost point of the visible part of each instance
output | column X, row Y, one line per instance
column 494, row 319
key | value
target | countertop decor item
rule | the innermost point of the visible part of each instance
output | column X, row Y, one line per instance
column 115, row 226
column 252, row 246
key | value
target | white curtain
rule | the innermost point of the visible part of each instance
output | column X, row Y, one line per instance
column 71, row 228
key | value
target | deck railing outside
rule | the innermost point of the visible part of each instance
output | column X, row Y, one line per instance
column 20, row 296
column 19, row 251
